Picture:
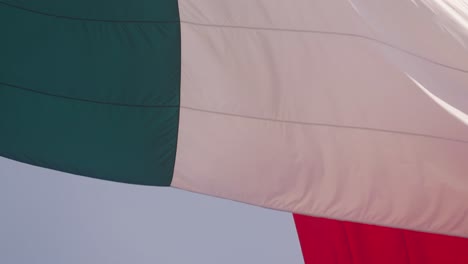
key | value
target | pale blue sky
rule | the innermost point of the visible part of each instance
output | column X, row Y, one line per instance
column 54, row 218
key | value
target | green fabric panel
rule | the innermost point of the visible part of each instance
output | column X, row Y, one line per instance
column 125, row 63
column 122, row 10
column 93, row 98
column 119, row 143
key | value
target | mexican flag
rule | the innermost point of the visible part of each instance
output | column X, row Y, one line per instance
column 353, row 115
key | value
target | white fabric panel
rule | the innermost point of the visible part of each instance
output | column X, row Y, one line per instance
column 435, row 29
column 303, row 106
column 52, row 217
column 296, row 14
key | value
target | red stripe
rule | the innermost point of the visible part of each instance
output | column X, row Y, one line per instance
column 326, row 241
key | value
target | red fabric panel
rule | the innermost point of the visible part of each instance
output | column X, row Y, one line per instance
column 322, row 240
column 326, row 241
column 435, row 249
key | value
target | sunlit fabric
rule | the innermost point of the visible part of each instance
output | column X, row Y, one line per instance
column 350, row 110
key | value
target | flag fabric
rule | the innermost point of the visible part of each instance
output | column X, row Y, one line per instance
column 333, row 241
column 346, row 110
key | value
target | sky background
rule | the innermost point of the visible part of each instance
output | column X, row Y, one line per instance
column 50, row 217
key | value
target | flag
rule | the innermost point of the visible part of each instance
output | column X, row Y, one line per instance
column 345, row 110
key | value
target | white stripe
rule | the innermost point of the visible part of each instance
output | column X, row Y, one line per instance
column 311, row 107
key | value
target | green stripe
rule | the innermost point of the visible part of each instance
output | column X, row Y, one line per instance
column 120, row 10
column 91, row 89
